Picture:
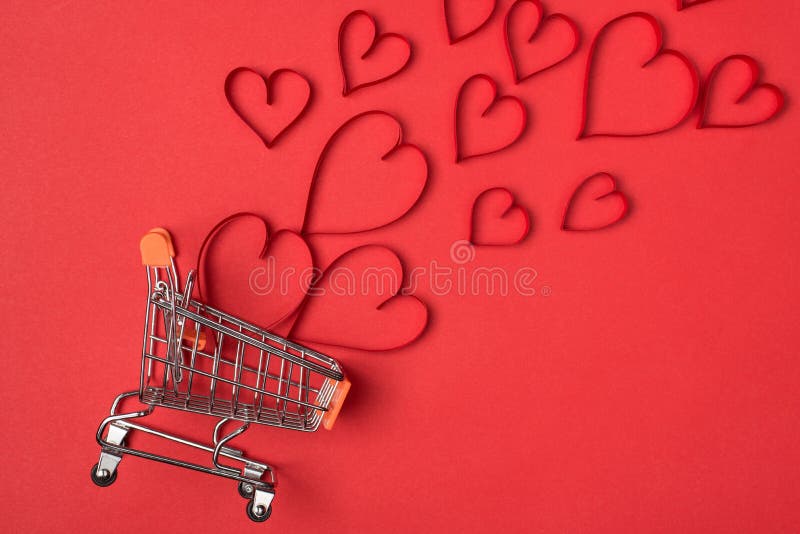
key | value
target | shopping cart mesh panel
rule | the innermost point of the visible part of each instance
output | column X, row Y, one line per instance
column 202, row 360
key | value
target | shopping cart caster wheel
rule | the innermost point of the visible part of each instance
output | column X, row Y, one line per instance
column 259, row 515
column 246, row 490
column 102, row 481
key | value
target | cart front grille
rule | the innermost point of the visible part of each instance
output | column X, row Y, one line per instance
column 198, row 359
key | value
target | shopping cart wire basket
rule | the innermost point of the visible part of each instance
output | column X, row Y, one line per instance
column 199, row 359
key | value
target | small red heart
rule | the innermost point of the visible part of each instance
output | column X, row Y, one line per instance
column 356, row 304
column 366, row 56
column 497, row 220
column 365, row 163
column 595, row 204
column 465, row 17
column 486, row 123
column 685, row 4
column 535, row 43
column 733, row 98
column 268, row 105
column 635, row 79
column 248, row 273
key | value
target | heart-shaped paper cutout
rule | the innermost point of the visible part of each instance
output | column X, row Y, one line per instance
column 365, row 163
column 355, row 304
column 733, row 98
column 268, row 105
column 486, row 123
column 497, row 219
column 535, row 43
column 464, row 18
column 366, row 56
column 686, row 4
column 595, row 204
column 248, row 273
column 634, row 86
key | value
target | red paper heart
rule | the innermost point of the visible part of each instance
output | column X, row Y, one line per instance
column 365, row 163
column 726, row 104
column 486, row 125
column 245, row 272
column 465, row 17
column 685, row 4
column 355, row 304
column 497, row 220
column 369, row 58
column 631, row 90
column 535, row 43
column 595, row 204
column 268, row 105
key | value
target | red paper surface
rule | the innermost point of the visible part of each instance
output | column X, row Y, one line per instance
column 650, row 385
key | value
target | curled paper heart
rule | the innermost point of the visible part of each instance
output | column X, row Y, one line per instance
column 497, row 219
column 366, row 56
column 244, row 270
column 464, row 18
column 535, row 42
column 633, row 85
column 686, row 4
column 733, row 98
column 356, row 304
column 269, row 105
column 366, row 163
column 595, row 204
column 485, row 122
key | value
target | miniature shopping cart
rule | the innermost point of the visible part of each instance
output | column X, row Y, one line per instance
column 199, row 359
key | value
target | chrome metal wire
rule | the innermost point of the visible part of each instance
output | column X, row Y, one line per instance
column 239, row 371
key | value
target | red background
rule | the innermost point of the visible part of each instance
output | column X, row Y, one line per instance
column 655, row 389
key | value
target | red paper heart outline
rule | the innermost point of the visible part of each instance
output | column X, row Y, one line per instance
column 658, row 52
column 686, row 4
column 329, row 143
column 261, row 255
column 376, row 38
column 576, row 37
column 495, row 100
column 268, row 81
column 458, row 39
column 512, row 206
column 398, row 294
column 755, row 75
column 614, row 192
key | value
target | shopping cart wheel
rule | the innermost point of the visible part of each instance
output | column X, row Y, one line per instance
column 259, row 515
column 246, row 490
column 102, row 481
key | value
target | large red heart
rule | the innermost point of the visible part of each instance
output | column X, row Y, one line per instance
column 535, row 43
column 355, row 304
column 733, row 98
column 366, row 56
column 497, row 219
column 486, row 123
column 685, row 4
column 268, row 105
column 634, row 86
column 465, row 17
column 596, row 203
column 365, row 163
column 248, row 273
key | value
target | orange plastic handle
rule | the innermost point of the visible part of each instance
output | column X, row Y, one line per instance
column 156, row 248
column 336, row 404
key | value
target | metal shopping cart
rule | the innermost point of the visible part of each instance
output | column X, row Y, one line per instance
column 199, row 359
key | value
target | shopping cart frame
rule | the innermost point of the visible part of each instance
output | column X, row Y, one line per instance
column 178, row 351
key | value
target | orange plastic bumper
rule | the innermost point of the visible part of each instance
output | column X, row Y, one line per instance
column 336, row 404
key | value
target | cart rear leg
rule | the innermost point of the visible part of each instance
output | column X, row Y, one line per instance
column 104, row 472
